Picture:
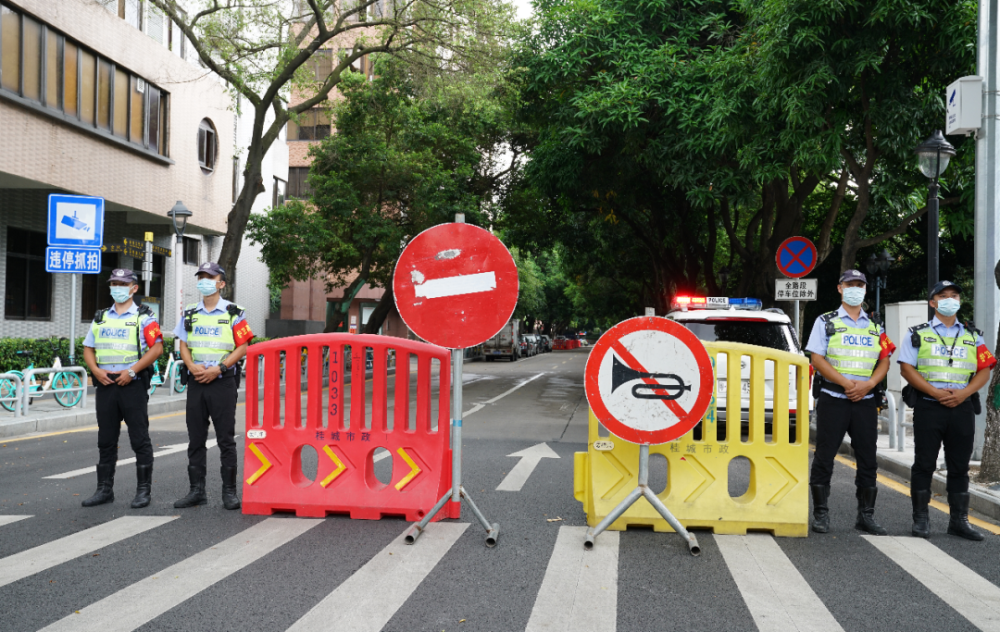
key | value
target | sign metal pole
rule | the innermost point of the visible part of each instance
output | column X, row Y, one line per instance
column 72, row 318
column 457, row 493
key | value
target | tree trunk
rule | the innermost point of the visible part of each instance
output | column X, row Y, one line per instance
column 232, row 243
column 989, row 470
column 336, row 312
column 381, row 311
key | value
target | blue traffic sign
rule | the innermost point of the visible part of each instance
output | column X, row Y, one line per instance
column 796, row 257
column 73, row 260
column 76, row 221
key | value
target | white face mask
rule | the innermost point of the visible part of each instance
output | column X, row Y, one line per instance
column 948, row 306
column 854, row 296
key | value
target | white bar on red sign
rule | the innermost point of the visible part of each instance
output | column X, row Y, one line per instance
column 456, row 285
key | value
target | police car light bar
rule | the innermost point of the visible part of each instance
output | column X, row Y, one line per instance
column 716, row 302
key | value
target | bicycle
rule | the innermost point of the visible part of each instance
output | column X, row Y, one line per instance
column 173, row 367
column 66, row 386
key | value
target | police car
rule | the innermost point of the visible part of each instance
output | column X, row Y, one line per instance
column 742, row 320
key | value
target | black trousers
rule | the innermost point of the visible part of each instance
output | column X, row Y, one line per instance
column 115, row 403
column 836, row 417
column 216, row 400
column 935, row 424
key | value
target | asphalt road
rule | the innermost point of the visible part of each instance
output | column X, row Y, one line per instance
column 109, row 568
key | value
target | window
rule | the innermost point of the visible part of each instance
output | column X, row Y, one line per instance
column 191, row 248
column 28, row 290
column 320, row 65
column 96, row 294
column 207, row 146
column 312, row 125
column 761, row 333
column 297, row 187
column 133, row 13
column 40, row 64
column 156, row 282
column 280, row 193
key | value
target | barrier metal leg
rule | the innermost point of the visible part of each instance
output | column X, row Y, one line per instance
column 457, row 493
column 642, row 490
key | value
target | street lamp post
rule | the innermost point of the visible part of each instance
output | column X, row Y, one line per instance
column 878, row 268
column 179, row 215
column 932, row 157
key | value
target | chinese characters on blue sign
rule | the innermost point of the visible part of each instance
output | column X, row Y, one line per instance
column 73, row 260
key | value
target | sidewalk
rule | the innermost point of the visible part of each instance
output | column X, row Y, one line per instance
column 984, row 499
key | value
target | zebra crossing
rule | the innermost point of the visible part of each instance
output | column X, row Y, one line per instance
column 578, row 591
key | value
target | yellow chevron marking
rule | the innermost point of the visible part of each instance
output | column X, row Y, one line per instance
column 265, row 465
column 337, row 472
column 414, row 470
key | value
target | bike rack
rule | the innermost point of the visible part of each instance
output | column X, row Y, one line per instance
column 67, row 369
column 20, row 410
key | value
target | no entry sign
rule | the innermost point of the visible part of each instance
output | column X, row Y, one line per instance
column 455, row 285
column 649, row 380
column 796, row 257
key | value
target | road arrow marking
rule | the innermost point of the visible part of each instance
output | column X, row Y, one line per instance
column 530, row 457
column 414, row 470
column 337, row 472
column 265, row 465
column 478, row 407
column 169, row 449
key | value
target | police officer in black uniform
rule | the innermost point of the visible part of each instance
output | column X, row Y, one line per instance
column 214, row 336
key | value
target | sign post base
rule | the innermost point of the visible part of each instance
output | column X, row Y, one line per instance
column 643, row 491
column 457, row 493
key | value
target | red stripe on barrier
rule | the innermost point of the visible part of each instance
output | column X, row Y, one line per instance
column 345, row 444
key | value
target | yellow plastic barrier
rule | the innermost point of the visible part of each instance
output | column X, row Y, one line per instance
column 697, row 491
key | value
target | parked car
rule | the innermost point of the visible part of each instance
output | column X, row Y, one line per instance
column 546, row 345
column 532, row 341
column 506, row 344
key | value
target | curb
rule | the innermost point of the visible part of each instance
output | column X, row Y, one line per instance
column 70, row 419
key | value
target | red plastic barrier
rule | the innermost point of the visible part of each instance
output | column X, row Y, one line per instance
column 345, row 479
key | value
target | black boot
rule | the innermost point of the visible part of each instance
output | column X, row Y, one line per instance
column 866, row 511
column 144, row 485
column 197, row 494
column 921, row 517
column 229, row 498
column 105, row 486
column 959, row 523
column 821, row 510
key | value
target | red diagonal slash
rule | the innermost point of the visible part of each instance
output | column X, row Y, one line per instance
column 795, row 257
column 635, row 365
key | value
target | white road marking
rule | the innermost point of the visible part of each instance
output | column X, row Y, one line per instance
column 974, row 597
column 4, row 520
column 143, row 601
column 170, row 449
column 456, row 285
column 483, row 405
column 778, row 597
column 371, row 596
column 530, row 457
column 580, row 588
column 45, row 556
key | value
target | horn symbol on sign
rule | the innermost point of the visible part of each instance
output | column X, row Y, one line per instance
column 621, row 373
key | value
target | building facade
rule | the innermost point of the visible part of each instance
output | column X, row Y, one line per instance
column 105, row 98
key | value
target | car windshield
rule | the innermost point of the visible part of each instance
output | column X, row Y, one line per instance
column 760, row 333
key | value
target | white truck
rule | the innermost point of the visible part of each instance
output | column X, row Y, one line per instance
column 506, row 344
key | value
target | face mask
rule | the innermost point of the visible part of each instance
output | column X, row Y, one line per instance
column 948, row 306
column 206, row 287
column 853, row 296
column 120, row 294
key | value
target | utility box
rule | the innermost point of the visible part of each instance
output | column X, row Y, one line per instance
column 965, row 106
column 899, row 317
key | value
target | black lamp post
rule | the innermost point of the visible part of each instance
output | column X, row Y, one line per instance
column 932, row 157
column 179, row 215
column 878, row 268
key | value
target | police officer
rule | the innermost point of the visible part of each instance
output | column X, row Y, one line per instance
column 123, row 342
column 214, row 336
column 945, row 364
column 851, row 355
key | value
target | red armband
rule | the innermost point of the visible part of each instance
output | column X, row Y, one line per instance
column 152, row 333
column 242, row 333
column 886, row 347
column 985, row 358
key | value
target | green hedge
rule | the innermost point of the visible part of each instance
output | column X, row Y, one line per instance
column 43, row 353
